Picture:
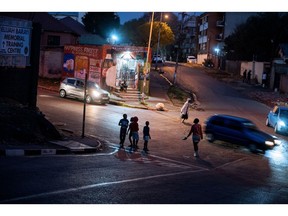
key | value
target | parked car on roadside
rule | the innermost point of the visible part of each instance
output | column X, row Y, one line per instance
column 191, row 59
column 278, row 119
column 239, row 131
column 74, row 88
column 208, row 63
column 158, row 59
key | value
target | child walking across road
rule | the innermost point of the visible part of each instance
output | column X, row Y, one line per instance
column 146, row 136
column 123, row 123
column 129, row 132
column 134, row 128
column 197, row 135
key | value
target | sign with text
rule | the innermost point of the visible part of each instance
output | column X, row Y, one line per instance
column 14, row 40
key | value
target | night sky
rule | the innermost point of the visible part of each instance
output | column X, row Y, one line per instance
column 126, row 16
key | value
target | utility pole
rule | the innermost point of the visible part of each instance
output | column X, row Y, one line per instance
column 84, row 105
column 183, row 14
column 146, row 69
column 156, row 63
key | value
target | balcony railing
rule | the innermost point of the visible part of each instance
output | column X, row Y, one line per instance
column 219, row 37
column 220, row 23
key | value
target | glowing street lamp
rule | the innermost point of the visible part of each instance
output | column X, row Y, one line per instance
column 158, row 43
column 217, row 50
column 112, row 39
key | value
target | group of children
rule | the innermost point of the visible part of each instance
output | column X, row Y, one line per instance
column 132, row 129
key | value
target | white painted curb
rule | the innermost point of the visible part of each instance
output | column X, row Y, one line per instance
column 15, row 152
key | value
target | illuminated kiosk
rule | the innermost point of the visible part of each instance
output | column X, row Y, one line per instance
column 108, row 65
column 129, row 66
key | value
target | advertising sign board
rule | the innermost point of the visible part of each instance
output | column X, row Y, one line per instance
column 14, row 40
column 15, row 36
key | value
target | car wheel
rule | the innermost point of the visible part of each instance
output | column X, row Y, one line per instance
column 88, row 99
column 252, row 148
column 62, row 93
column 210, row 137
column 267, row 122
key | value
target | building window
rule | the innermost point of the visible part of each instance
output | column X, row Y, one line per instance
column 53, row 40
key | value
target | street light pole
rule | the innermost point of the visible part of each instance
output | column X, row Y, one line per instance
column 178, row 46
column 148, row 53
column 159, row 32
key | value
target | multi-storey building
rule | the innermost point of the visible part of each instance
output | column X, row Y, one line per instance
column 211, row 36
column 214, row 27
column 189, row 44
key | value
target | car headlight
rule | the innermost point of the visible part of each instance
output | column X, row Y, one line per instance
column 269, row 143
column 277, row 142
column 96, row 94
column 281, row 123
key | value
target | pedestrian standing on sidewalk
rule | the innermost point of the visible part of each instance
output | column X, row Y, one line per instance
column 249, row 76
column 123, row 123
column 146, row 136
column 185, row 109
column 197, row 135
column 264, row 77
column 244, row 76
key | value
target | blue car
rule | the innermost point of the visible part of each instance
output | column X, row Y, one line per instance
column 239, row 131
column 278, row 119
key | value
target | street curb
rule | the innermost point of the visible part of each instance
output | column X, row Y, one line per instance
column 43, row 152
column 49, row 151
column 33, row 152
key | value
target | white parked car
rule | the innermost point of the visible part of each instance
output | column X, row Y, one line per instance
column 74, row 88
column 191, row 59
column 158, row 59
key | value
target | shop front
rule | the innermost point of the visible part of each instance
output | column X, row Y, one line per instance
column 109, row 66
column 127, row 66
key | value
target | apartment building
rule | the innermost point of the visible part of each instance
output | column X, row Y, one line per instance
column 211, row 36
column 190, row 31
column 214, row 27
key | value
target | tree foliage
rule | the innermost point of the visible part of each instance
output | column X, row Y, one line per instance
column 136, row 32
column 258, row 38
column 101, row 23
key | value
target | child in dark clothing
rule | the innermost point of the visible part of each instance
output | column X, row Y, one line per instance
column 123, row 123
column 146, row 136
column 130, row 132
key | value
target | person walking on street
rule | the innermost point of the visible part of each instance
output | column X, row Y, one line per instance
column 185, row 109
column 123, row 123
column 146, row 136
column 197, row 135
column 129, row 132
column 134, row 128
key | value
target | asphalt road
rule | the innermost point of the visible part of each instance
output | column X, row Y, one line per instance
column 169, row 174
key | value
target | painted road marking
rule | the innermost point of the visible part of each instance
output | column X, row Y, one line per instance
column 76, row 189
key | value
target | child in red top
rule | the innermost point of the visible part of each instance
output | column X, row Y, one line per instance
column 196, row 130
column 134, row 128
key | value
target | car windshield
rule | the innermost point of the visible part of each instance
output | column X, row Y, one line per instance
column 92, row 85
column 250, row 125
column 284, row 114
